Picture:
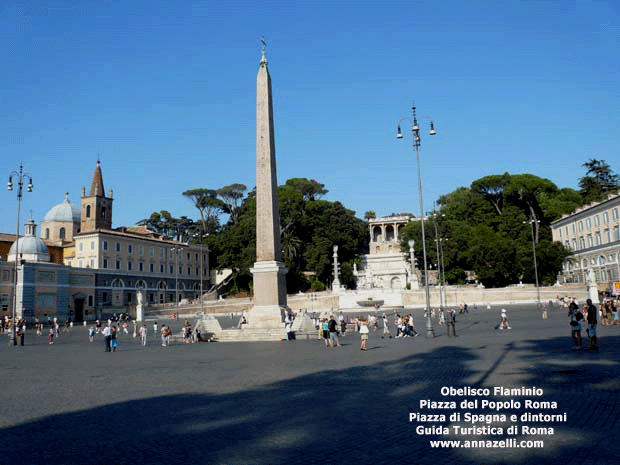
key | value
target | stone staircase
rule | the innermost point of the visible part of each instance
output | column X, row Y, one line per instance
column 210, row 329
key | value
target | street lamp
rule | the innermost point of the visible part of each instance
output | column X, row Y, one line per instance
column 531, row 222
column 176, row 250
column 439, row 265
column 201, row 236
column 20, row 185
column 415, row 131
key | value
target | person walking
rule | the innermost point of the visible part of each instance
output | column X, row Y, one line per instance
column 592, row 323
column 503, row 321
column 325, row 329
column 332, row 325
column 143, row 333
column 575, row 323
column 364, row 334
column 386, row 329
column 51, row 335
column 91, row 334
column 451, row 322
column 107, row 337
column 113, row 339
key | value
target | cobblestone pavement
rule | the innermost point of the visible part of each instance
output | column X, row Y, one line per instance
column 297, row 402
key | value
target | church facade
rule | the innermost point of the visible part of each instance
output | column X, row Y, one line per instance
column 103, row 269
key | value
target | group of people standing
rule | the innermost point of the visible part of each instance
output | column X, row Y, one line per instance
column 577, row 315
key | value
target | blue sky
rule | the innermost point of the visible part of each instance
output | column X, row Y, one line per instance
column 164, row 93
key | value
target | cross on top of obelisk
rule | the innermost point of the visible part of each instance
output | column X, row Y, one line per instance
column 263, row 58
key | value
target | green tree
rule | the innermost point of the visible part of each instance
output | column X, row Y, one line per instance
column 309, row 188
column 208, row 205
column 599, row 181
column 232, row 197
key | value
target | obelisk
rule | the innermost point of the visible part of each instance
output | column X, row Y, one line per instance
column 269, row 271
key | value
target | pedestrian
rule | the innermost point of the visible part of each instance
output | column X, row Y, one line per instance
column 143, row 333
column 386, row 329
column 364, row 334
column 107, row 338
column 575, row 323
column 399, row 326
column 503, row 321
column 592, row 322
column 451, row 323
column 91, row 334
column 155, row 328
column 51, row 335
column 113, row 339
column 442, row 317
column 325, row 329
column 411, row 329
column 332, row 325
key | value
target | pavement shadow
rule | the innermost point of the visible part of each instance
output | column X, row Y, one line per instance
column 355, row 415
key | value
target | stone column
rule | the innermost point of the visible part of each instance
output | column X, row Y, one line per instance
column 336, row 283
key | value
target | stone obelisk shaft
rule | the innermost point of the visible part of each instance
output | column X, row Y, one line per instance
column 269, row 272
column 267, row 212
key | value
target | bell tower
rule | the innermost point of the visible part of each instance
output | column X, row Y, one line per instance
column 96, row 207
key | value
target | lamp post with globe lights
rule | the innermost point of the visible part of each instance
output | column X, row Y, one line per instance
column 415, row 131
column 20, row 176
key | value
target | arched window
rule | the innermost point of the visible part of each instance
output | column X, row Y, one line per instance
column 389, row 233
column 47, row 233
column 87, row 211
column 62, row 233
column 376, row 233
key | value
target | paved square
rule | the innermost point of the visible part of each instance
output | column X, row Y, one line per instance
column 297, row 402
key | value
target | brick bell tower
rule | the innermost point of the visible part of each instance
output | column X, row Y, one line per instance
column 96, row 207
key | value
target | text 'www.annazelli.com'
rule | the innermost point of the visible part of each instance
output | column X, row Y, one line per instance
column 488, row 444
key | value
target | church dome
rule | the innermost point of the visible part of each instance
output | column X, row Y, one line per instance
column 31, row 248
column 64, row 211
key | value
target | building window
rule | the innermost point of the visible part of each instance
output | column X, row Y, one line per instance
column 118, row 264
column 590, row 243
column 171, row 269
column 582, row 244
column 92, row 245
column 152, row 251
column 87, row 211
column 129, row 248
column 47, row 233
column 161, row 253
column 180, row 269
column 189, row 271
column 616, row 233
column 615, row 213
column 105, row 245
column 151, row 268
column 118, row 246
column 607, row 236
column 92, row 262
column 90, row 300
column 598, row 238
column 142, row 251
column 606, row 217
column 128, row 266
column 104, row 296
column 80, row 263
column 161, row 268
column 105, row 262
column 128, row 297
column 188, row 255
column 581, row 226
column 141, row 266
column 596, row 221
column 589, row 223
column 103, row 212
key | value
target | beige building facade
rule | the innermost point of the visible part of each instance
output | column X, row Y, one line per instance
column 592, row 233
